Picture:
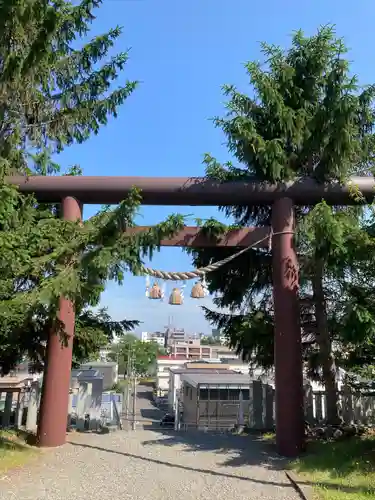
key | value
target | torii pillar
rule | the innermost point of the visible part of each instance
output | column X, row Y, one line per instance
column 288, row 349
column 56, row 380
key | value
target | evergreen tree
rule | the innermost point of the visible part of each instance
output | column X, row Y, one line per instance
column 56, row 91
column 307, row 117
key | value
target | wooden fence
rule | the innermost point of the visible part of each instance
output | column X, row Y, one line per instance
column 355, row 407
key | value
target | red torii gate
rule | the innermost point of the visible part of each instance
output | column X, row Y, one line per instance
column 73, row 192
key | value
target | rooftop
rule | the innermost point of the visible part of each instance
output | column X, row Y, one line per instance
column 167, row 357
column 234, row 361
column 85, row 374
column 17, row 382
column 223, row 379
column 200, row 370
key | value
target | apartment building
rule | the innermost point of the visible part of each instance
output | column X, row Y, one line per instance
column 174, row 335
column 192, row 349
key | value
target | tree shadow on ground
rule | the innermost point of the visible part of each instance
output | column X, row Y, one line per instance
column 238, row 450
column 151, row 414
column 184, row 467
column 252, row 450
column 145, row 395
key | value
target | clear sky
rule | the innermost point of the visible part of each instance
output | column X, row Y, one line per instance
column 183, row 51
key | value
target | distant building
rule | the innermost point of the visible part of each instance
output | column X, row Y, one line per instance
column 175, row 335
column 223, row 352
column 163, row 365
column 192, row 349
column 104, row 353
column 218, row 336
column 158, row 337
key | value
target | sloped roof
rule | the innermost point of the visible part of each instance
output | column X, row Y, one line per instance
column 212, row 379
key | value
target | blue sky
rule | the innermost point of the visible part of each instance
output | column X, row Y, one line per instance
column 183, row 51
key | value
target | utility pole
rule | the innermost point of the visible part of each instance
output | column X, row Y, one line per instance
column 128, row 379
column 134, row 401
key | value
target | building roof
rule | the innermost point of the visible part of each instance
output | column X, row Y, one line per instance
column 179, row 370
column 85, row 374
column 234, row 361
column 17, row 382
column 177, row 357
column 216, row 380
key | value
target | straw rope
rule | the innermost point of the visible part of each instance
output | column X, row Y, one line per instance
column 198, row 273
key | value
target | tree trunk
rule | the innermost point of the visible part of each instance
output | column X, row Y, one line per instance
column 325, row 346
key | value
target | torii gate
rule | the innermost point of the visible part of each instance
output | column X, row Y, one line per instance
column 73, row 192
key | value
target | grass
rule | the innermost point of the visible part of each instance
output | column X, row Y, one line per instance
column 14, row 452
column 268, row 436
column 149, row 381
column 342, row 470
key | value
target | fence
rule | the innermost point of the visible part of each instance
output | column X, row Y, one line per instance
column 20, row 409
column 356, row 407
column 258, row 411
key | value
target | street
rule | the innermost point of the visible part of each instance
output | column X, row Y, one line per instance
column 146, row 413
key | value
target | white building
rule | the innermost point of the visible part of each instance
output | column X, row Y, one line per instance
column 224, row 353
column 157, row 337
column 163, row 365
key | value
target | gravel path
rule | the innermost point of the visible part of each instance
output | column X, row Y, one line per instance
column 151, row 465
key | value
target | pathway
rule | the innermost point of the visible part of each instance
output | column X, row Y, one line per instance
column 153, row 465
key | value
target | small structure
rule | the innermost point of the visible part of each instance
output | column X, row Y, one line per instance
column 215, row 401
column 19, row 399
column 175, row 374
column 163, row 364
column 85, row 399
column 109, row 370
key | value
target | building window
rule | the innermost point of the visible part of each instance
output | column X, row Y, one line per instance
column 203, row 394
column 234, row 394
column 245, row 394
column 214, row 394
column 223, row 394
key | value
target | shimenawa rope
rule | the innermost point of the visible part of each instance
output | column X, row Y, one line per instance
column 197, row 273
